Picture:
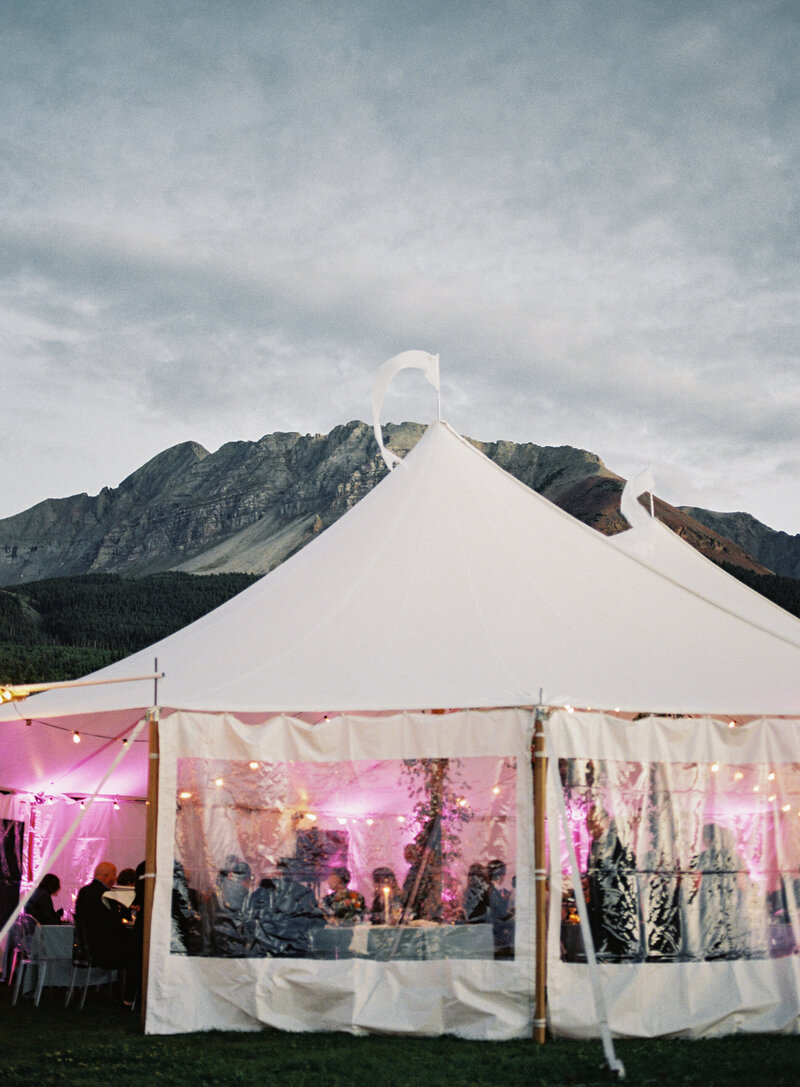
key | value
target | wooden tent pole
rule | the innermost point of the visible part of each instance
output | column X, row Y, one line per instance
column 540, row 874
column 150, row 856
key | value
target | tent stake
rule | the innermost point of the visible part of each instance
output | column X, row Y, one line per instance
column 150, row 857
column 540, row 875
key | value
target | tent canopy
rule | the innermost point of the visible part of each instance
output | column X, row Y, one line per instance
column 652, row 543
column 450, row 585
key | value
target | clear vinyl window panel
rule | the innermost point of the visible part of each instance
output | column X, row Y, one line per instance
column 389, row 859
column 682, row 862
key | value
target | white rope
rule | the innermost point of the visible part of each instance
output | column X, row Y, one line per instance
column 615, row 1065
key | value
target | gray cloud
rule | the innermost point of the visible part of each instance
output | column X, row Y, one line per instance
column 220, row 219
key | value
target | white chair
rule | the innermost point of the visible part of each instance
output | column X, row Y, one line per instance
column 22, row 938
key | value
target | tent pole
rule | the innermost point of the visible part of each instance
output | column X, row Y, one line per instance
column 150, row 857
column 540, row 875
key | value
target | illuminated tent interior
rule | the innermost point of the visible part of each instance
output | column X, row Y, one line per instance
column 451, row 586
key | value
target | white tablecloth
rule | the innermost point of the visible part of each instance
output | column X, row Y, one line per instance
column 52, row 944
column 388, row 942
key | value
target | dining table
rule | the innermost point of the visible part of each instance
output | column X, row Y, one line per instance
column 385, row 943
column 52, row 952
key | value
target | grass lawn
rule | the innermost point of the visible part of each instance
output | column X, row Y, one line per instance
column 102, row 1047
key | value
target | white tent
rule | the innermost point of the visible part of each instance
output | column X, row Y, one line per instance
column 450, row 586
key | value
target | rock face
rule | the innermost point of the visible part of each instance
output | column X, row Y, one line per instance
column 778, row 551
column 250, row 505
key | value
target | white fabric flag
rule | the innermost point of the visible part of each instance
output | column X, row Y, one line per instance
column 406, row 360
column 629, row 504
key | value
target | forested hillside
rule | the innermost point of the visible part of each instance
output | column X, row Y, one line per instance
column 62, row 628
column 784, row 591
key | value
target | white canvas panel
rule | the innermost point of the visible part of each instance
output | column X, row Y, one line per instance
column 348, row 773
column 687, row 836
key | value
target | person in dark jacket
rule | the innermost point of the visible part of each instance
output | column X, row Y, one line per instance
column 227, row 910
column 40, row 904
column 501, row 911
column 107, row 939
column 284, row 914
column 476, row 895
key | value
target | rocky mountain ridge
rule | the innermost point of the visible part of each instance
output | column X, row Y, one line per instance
column 250, row 505
column 778, row 551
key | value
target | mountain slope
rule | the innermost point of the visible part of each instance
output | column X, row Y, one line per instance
column 778, row 551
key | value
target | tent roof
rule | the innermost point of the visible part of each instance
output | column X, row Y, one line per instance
column 654, row 544
column 450, row 585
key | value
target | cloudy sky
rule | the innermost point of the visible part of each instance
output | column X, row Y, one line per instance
column 217, row 219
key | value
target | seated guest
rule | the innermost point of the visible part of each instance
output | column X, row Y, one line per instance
column 40, row 904
column 184, row 916
column 341, row 905
column 421, row 893
column 108, row 941
column 476, row 895
column 122, row 894
column 227, row 909
column 501, row 911
column 387, row 903
column 283, row 913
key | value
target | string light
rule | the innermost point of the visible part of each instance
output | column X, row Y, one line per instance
column 76, row 737
column 253, row 765
column 714, row 767
column 116, row 804
column 185, row 795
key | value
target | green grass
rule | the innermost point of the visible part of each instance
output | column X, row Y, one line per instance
column 103, row 1046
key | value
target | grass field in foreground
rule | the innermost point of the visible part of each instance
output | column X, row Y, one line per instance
column 103, row 1047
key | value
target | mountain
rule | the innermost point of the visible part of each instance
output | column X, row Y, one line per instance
column 250, row 505
column 778, row 551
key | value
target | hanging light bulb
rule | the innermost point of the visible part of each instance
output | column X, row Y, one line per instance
column 116, row 804
column 76, row 737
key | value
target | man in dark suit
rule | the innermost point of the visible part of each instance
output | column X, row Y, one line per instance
column 109, row 942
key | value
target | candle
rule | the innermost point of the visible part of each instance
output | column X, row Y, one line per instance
column 386, row 905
